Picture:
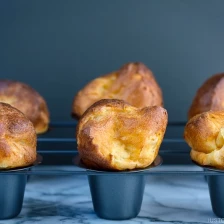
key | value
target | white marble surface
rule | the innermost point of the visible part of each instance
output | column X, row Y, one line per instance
column 66, row 199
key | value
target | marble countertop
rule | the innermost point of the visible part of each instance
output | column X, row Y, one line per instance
column 66, row 199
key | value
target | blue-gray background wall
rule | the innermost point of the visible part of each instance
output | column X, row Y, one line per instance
column 58, row 46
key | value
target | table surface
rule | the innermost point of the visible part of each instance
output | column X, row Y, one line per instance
column 66, row 199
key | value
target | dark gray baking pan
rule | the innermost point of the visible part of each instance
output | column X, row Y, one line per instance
column 117, row 195
column 12, row 190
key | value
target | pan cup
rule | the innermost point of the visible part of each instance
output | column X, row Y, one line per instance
column 117, row 195
column 12, row 190
column 216, row 192
column 215, row 185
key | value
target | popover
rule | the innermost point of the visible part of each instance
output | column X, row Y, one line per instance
column 113, row 135
column 134, row 83
column 27, row 100
column 210, row 96
column 17, row 138
column 204, row 133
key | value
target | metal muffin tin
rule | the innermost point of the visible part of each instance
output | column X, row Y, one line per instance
column 124, row 197
column 12, row 190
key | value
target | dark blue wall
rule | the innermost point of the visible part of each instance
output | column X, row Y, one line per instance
column 58, row 46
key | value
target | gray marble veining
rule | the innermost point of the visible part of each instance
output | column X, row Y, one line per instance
column 66, row 199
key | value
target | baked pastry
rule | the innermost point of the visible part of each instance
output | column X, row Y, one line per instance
column 113, row 135
column 204, row 133
column 210, row 96
column 134, row 83
column 27, row 100
column 17, row 138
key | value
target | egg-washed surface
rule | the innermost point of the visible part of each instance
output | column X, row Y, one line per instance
column 204, row 133
column 17, row 138
column 210, row 96
column 134, row 83
column 27, row 100
column 116, row 136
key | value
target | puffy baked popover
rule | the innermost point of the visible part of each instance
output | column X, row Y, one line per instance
column 204, row 133
column 27, row 100
column 113, row 135
column 210, row 96
column 17, row 138
column 134, row 83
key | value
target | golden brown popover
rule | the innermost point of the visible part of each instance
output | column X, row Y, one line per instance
column 204, row 133
column 210, row 96
column 113, row 135
column 27, row 100
column 17, row 138
column 134, row 83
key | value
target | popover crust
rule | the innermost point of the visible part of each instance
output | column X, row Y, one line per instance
column 17, row 138
column 113, row 135
column 210, row 96
column 204, row 133
column 134, row 83
column 27, row 100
